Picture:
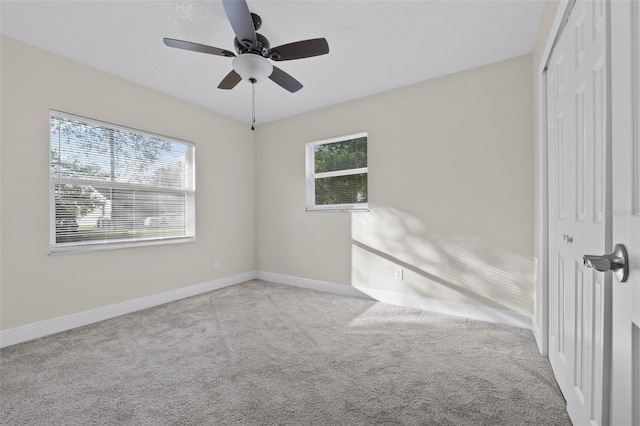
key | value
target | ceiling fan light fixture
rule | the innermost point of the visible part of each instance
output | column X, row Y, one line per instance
column 252, row 67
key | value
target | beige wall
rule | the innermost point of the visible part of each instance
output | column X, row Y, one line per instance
column 546, row 23
column 36, row 286
column 450, row 189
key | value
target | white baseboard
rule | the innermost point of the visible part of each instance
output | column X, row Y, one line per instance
column 324, row 286
column 537, row 334
column 56, row 325
column 514, row 319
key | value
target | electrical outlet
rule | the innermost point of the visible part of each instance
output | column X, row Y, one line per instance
column 216, row 264
column 399, row 274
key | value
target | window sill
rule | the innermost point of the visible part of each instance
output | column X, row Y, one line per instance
column 69, row 249
column 338, row 209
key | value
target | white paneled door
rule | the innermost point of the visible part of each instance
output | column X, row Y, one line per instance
column 593, row 121
column 578, row 117
column 625, row 82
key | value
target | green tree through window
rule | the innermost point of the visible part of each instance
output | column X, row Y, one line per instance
column 339, row 172
column 111, row 183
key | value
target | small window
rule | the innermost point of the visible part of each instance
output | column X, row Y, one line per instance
column 337, row 173
column 111, row 186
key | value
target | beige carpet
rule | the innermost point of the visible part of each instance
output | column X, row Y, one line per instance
column 263, row 354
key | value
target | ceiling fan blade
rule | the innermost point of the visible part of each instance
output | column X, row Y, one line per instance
column 230, row 81
column 284, row 80
column 300, row 49
column 195, row 47
column 241, row 21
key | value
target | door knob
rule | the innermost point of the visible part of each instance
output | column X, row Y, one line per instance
column 617, row 262
column 567, row 237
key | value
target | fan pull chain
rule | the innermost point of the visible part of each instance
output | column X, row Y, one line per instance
column 253, row 105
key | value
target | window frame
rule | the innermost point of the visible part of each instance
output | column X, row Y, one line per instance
column 56, row 248
column 311, row 176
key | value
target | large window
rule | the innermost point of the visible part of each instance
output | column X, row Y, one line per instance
column 337, row 173
column 112, row 186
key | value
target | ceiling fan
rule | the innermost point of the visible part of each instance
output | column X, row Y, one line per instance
column 252, row 63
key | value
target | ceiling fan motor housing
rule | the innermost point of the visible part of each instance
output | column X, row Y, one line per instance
column 262, row 47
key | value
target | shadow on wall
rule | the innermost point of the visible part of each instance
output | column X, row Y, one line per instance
column 457, row 268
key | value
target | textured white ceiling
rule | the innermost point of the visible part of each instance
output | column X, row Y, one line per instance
column 374, row 45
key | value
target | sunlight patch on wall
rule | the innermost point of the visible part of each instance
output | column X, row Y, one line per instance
column 458, row 267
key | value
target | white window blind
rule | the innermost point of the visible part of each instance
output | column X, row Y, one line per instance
column 337, row 172
column 113, row 186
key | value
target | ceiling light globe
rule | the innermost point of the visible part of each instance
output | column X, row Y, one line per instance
column 252, row 67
